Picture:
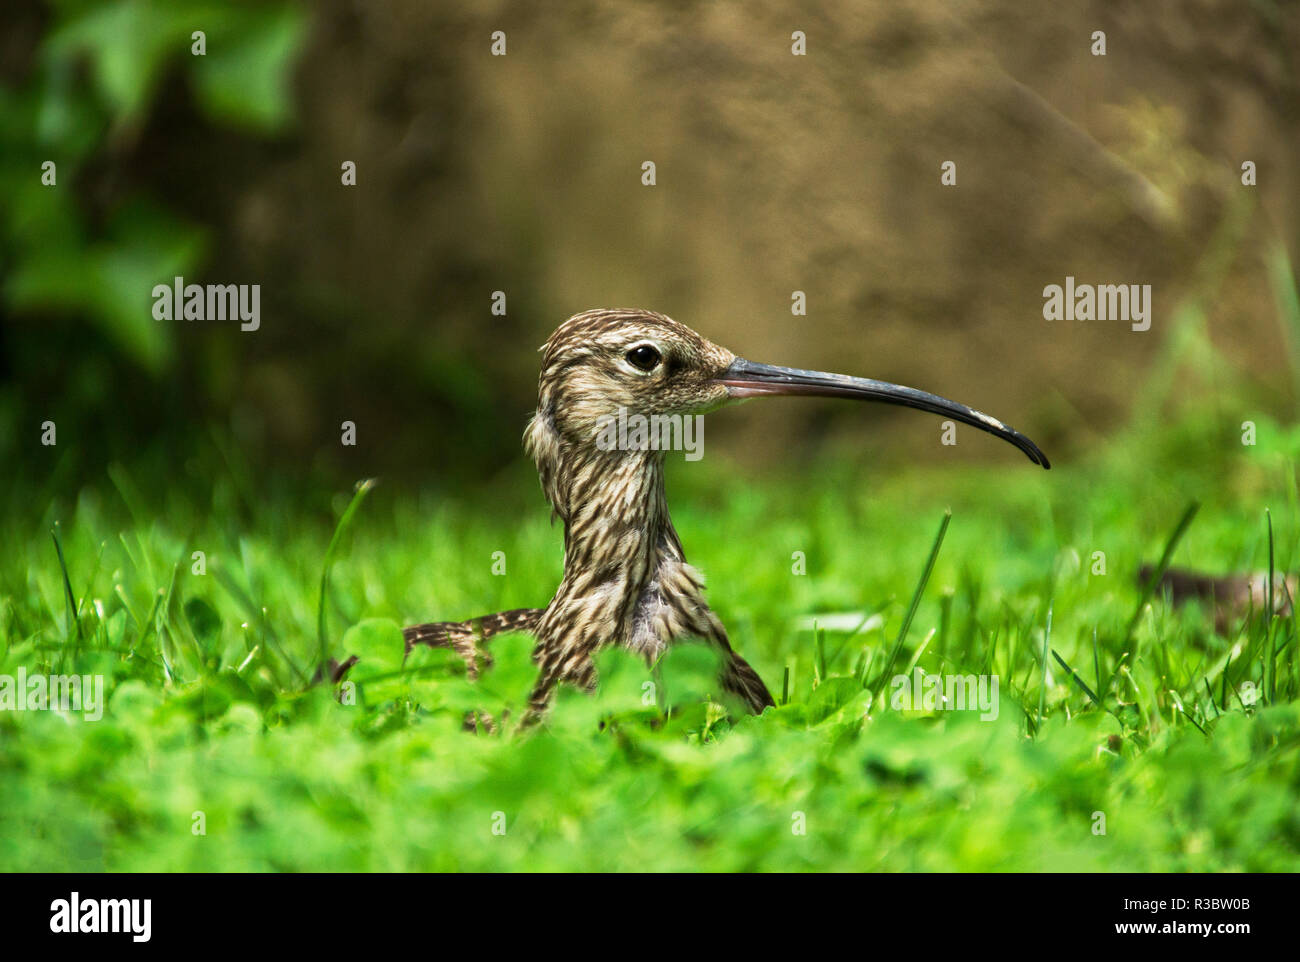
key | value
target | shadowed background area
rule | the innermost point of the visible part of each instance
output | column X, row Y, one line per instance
column 523, row 174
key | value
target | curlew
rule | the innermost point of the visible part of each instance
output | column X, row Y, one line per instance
column 626, row 581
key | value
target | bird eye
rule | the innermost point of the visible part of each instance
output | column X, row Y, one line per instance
column 644, row 357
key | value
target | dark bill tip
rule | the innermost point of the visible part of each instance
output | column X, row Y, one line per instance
column 749, row 379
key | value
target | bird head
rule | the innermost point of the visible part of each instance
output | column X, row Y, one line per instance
column 600, row 362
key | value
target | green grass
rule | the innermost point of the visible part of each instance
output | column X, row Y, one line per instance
column 1188, row 742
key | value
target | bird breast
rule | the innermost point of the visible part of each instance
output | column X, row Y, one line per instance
column 670, row 608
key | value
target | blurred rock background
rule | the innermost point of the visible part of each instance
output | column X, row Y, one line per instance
column 775, row 173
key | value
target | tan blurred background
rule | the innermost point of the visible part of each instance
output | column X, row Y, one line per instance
column 775, row 173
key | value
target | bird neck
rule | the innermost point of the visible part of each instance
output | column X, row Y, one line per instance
column 616, row 520
column 617, row 532
column 618, row 544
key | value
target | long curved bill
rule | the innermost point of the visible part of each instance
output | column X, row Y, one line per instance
column 748, row 379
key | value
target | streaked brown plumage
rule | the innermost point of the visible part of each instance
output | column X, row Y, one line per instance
column 626, row 581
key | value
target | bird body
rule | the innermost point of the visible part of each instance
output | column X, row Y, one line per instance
column 626, row 579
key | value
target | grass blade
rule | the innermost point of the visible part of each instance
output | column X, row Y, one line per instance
column 1078, row 681
column 1210, row 691
column 920, row 650
column 916, row 601
column 1042, row 681
column 362, row 490
column 1096, row 665
column 1170, row 546
column 819, row 655
column 1270, row 656
column 67, row 582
